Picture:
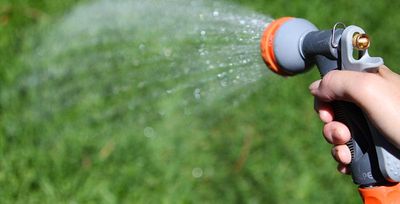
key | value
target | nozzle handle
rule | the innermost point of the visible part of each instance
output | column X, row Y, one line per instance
column 375, row 161
column 387, row 156
column 364, row 162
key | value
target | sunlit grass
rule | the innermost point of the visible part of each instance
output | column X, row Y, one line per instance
column 85, row 144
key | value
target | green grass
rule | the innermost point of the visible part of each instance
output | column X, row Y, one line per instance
column 79, row 144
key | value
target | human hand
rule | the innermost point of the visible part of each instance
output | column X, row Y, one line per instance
column 377, row 94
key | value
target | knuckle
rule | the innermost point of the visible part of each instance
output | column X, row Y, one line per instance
column 339, row 133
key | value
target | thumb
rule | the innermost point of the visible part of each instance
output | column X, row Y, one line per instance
column 339, row 85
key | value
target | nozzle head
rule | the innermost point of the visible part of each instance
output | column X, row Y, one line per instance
column 281, row 45
column 267, row 46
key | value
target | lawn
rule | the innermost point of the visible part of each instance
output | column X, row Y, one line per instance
column 91, row 117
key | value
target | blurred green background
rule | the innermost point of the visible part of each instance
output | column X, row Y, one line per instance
column 269, row 149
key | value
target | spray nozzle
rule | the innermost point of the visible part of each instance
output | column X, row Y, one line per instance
column 361, row 41
column 292, row 45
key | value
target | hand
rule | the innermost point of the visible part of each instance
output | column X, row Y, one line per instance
column 377, row 94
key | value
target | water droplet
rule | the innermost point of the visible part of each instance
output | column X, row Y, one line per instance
column 242, row 22
column 197, row 93
column 167, row 52
column 215, row 13
column 203, row 33
column 202, row 51
column 197, row 172
column 223, row 82
column 169, row 91
column 149, row 132
column 221, row 75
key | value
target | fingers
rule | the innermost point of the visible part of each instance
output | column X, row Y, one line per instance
column 342, row 154
column 324, row 110
column 336, row 133
column 337, row 85
column 344, row 169
column 356, row 87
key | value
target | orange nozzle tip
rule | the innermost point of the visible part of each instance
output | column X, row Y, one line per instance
column 381, row 194
column 267, row 46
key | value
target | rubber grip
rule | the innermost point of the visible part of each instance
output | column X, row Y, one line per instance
column 381, row 194
column 364, row 162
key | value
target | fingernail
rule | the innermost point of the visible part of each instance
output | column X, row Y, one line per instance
column 334, row 153
column 314, row 86
column 346, row 156
column 343, row 169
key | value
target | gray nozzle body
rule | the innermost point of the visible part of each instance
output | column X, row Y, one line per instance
column 287, row 45
column 298, row 45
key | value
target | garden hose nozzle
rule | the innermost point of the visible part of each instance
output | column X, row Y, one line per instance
column 290, row 46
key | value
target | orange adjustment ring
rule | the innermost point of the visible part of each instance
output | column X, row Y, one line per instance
column 267, row 46
column 381, row 194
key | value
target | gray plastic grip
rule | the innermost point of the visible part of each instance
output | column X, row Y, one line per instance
column 388, row 156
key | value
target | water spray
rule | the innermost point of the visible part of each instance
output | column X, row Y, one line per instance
column 291, row 46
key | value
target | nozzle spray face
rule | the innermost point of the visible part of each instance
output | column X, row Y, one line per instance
column 281, row 45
